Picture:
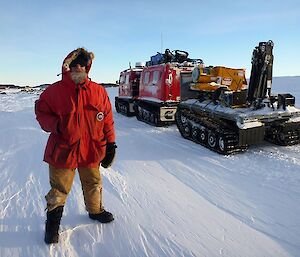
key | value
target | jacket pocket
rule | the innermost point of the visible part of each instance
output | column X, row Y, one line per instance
column 68, row 127
column 98, row 152
column 64, row 154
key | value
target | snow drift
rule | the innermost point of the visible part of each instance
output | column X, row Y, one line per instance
column 170, row 196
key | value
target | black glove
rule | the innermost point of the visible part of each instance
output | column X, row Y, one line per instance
column 109, row 155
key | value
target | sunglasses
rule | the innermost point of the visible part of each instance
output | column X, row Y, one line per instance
column 81, row 59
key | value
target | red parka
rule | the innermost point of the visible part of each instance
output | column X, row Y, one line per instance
column 79, row 118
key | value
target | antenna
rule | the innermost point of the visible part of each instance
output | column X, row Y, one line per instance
column 161, row 42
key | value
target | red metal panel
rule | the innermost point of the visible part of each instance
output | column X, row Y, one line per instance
column 158, row 83
column 152, row 87
column 161, row 83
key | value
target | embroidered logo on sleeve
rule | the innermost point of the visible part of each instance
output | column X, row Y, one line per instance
column 100, row 116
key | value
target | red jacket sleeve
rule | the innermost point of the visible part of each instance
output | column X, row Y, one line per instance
column 109, row 129
column 45, row 116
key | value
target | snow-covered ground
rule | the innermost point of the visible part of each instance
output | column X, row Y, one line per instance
column 170, row 196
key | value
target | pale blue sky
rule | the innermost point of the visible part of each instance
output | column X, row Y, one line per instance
column 35, row 36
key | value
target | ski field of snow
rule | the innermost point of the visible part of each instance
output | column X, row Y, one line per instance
column 170, row 196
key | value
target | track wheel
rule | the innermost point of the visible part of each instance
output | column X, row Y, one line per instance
column 186, row 131
column 212, row 139
column 156, row 121
column 144, row 115
column 195, row 134
column 221, row 144
column 183, row 125
column 126, row 109
column 152, row 118
column 202, row 136
column 139, row 114
column 281, row 138
column 183, row 119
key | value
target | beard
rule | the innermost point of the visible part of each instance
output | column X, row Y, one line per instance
column 78, row 76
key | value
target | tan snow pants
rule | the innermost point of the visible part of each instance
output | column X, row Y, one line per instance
column 61, row 181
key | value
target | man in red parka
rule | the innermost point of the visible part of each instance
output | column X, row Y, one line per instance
column 77, row 113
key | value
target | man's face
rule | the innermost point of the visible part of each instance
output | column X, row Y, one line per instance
column 78, row 73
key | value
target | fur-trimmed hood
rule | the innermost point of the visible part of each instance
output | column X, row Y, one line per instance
column 73, row 55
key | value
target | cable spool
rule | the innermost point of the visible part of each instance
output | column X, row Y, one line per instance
column 196, row 74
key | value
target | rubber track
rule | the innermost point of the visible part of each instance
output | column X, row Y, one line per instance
column 206, row 124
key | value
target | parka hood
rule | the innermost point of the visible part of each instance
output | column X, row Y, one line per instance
column 73, row 55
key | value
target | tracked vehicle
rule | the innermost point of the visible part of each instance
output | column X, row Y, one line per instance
column 160, row 87
column 152, row 92
column 226, row 116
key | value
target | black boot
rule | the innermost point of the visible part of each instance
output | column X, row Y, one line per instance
column 52, row 225
column 103, row 217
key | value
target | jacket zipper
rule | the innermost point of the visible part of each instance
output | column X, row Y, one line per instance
column 78, row 120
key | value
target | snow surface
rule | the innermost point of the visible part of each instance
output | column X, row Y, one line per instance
column 170, row 196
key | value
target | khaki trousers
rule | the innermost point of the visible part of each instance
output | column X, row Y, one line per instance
column 61, row 181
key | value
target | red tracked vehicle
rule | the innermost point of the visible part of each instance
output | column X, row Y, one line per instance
column 160, row 88
column 159, row 93
column 152, row 92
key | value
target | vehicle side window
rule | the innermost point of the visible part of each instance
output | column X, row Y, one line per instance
column 127, row 79
column 146, row 78
column 122, row 79
column 156, row 77
column 138, row 74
